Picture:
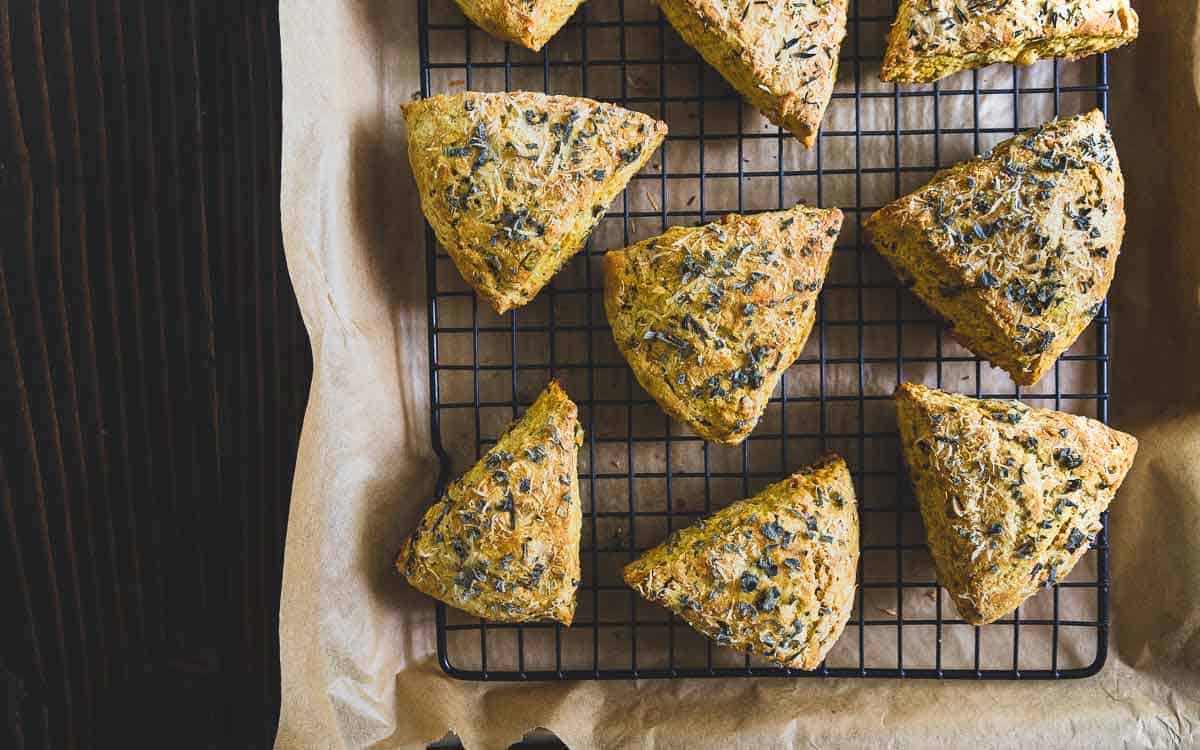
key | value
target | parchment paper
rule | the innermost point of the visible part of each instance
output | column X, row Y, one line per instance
column 357, row 645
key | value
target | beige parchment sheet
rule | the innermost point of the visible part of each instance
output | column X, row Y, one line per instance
column 357, row 645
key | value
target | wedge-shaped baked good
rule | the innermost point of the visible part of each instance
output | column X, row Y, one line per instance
column 782, row 56
column 931, row 39
column 513, row 183
column 1016, row 249
column 773, row 574
column 529, row 23
column 503, row 542
column 709, row 317
column 1011, row 496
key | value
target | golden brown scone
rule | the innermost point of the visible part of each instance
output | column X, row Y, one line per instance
column 1016, row 249
column 512, row 183
column 1011, row 496
column 529, row 23
column 931, row 39
column 782, row 56
column 773, row 574
column 503, row 542
column 709, row 317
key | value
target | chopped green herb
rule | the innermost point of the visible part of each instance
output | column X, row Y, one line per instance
column 536, row 453
column 1068, row 458
column 769, row 599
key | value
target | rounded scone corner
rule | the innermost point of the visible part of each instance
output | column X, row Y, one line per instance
column 529, row 23
column 931, row 40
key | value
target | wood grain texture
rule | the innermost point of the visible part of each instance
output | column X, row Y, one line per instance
column 154, row 370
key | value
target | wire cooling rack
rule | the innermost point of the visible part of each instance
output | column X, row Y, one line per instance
column 642, row 475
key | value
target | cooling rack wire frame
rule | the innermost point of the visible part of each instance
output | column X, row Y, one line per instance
column 641, row 475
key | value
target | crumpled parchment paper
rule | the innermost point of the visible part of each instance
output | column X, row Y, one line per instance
column 357, row 645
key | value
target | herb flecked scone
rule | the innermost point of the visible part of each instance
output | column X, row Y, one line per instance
column 529, row 23
column 709, row 317
column 1016, row 249
column 772, row 574
column 931, row 39
column 503, row 542
column 512, row 183
column 782, row 56
column 1010, row 496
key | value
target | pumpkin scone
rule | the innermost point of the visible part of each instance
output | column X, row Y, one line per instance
column 513, row 183
column 529, row 23
column 773, row 574
column 931, row 39
column 503, row 541
column 1015, row 249
column 1010, row 496
column 781, row 56
column 709, row 317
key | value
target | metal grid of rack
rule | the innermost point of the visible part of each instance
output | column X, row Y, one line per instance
column 642, row 475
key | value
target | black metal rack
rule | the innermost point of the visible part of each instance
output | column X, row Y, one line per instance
column 642, row 475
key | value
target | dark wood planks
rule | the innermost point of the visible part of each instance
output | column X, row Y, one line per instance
column 154, row 371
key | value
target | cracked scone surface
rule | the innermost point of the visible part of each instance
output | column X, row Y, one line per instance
column 931, row 39
column 773, row 574
column 529, row 23
column 1010, row 496
column 709, row 317
column 1016, row 249
column 781, row 56
column 513, row 183
column 503, row 541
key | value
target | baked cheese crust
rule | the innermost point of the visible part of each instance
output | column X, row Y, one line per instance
column 931, row 39
column 1010, row 496
column 710, row 317
column 773, row 574
column 529, row 23
column 503, row 541
column 513, row 183
column 1016, row 249
column 781, row 56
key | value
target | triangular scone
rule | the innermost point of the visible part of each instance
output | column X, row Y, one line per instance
column 773, row 574
column 529, row 23
column 782, row 56
column 1011, row 496
column 503, row 542
column 513, row 183
column 1015, row 249
column 709, row 317
column 931, row 39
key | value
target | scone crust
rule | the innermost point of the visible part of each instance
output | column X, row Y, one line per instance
column 710, row 317
column 1010, row 496
column 513, row 183
column 529, row 23
column 503, row 541
column 773, row 574
column 931, row 39
column 1016, row 249
column 782, row 56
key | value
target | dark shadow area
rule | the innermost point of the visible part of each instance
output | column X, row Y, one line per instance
column 538, row 739
column 382, row 201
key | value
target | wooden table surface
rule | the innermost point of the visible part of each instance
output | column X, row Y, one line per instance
column 154, row 371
